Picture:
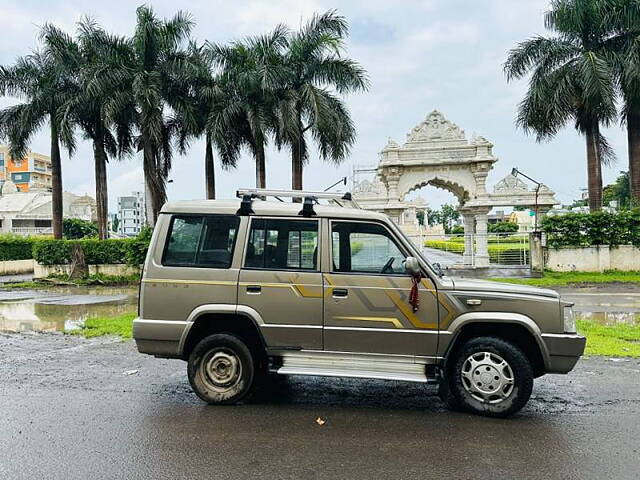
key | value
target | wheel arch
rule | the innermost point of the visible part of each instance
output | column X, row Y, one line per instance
column 209, row 319
column 514, row 327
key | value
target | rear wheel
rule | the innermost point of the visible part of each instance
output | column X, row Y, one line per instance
column 221, row 369
column 488, row 376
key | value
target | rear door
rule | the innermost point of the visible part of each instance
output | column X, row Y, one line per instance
column 281, row 280
column 367, row 306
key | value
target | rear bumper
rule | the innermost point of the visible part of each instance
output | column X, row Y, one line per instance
column 564, row 351
column 161, row 338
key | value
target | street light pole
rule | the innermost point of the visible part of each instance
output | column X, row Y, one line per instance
column 343, row 180
column 515, row 172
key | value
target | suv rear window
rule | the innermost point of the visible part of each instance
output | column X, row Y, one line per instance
column 201, row 241
column 282, row 245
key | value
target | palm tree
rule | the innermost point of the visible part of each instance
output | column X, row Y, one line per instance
column 95, row 55
column 157, row 71
column 623, row 22
column 313, row 64
column 209, row 100
column 44, row 85
column 251, row 73
column 571, row 80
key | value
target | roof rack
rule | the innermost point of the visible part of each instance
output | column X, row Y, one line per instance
column 309, row 199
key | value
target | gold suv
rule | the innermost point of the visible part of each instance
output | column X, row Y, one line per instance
column 242, row 288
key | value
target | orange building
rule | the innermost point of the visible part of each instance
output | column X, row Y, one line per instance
column 33, row 171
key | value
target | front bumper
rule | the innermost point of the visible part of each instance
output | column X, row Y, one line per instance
column 563, row 350
column 161, row 338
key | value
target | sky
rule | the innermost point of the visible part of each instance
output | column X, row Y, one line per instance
column 420, row 56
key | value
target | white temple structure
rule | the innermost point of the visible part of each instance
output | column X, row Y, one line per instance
column 437, row 152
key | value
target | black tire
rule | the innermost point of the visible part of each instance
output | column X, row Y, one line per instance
column 499, row 389
column 221, row 369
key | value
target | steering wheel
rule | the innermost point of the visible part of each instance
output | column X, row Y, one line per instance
column 387, row 266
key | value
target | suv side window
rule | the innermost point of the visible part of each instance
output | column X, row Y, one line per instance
column 201, row 241
column 364, row 248
column 282, row 244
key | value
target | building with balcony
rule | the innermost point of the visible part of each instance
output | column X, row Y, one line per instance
column 131, row 214
column 30, row 213
column 32, row 171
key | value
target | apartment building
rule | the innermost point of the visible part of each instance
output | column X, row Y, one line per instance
column 31, row 172
column 131, row 214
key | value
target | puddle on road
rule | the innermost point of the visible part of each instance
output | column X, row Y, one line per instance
column 62, row 309
column 612, row 318
column 605, row 307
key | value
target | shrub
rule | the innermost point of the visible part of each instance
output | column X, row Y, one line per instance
column 503, row 227
column 74, row 228
column 136, row 252
column 52, row 252
column 598, row 228
column 447, row 245
column 105, row 251
column 15, row 247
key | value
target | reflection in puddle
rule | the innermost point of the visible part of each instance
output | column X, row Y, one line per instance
column 62, row 309
column 612, row 318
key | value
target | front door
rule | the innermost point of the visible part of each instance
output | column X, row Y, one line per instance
column 367, row 306
column 281, row 280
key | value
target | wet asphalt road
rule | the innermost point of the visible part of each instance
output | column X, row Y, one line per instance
column 68, row 410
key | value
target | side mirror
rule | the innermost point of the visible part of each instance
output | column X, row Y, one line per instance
column 438, row 268
column 412, row 266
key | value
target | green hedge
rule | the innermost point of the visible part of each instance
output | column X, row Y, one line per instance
column 54, row 252
column 15, row 247
column 587, row 229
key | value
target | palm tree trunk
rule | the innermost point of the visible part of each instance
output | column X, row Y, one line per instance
column 594, row 168
column 209, row 169
column 153, row 180
column 261, row 176
column 633, row 140
column 56, row 182
column 296, row 169
column 102, row 201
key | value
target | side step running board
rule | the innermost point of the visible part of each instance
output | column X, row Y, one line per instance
column 332, row 364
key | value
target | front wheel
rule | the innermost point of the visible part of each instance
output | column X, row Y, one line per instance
column 221, row 369
column 488, row 376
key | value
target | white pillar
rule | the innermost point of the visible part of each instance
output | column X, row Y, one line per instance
column 482, row 252
column 468, row 222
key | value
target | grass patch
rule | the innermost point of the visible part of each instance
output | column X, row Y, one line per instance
column 621, row 340
column 27, row 285
column 559, row 279
column 121, row 325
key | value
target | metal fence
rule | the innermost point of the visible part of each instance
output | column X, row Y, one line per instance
column 504, row 249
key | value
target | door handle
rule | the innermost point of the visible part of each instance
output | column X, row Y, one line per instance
column 340, row 292
column 254, row 289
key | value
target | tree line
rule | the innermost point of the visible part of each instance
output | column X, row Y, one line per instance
column 586, row 74
column 158, row 90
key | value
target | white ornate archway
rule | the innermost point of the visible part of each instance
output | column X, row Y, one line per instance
column 438, row 153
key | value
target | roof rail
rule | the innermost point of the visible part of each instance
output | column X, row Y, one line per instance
column 309, row 198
